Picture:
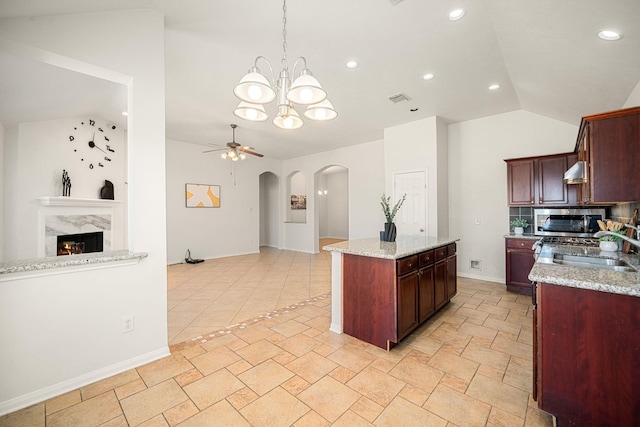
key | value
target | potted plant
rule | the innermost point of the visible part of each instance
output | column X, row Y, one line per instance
column 519, row 224
column 610, row 243
column 389, row 233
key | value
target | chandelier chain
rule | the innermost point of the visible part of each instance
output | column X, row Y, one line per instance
column 283, row 62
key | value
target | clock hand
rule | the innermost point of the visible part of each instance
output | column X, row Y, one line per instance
column 93, row 144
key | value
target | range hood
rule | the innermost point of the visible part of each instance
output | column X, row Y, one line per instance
column 577, row 174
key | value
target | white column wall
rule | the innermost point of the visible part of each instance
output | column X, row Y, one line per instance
column 61, row 332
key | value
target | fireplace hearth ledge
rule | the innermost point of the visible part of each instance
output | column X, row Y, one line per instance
column 11, row 270
column 73, row 201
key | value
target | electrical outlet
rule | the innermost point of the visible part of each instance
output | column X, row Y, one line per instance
column 128, row 324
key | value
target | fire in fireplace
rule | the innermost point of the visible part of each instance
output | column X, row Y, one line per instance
column 80, row 243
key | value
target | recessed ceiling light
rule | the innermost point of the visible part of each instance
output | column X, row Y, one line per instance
column 494, row 86
column 454, row 15
column 124, row 113
column 352, row 64
column 609, row 35
column 428, row 76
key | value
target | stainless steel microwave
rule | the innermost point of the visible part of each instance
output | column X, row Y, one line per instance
column 567, row 222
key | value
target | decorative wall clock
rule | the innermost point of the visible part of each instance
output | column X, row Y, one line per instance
column 91, row 142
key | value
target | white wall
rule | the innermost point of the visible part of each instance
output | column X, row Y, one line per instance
column 231, row 229
column 365, row 164
column 269, row 210
column 2, row 180
column 634, row 97
column 478, row 180
column 38, row 156
column 69, row 328
column 416, row 146
column 337, row 203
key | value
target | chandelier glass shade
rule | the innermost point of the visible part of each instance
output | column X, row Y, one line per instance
column 255, row 89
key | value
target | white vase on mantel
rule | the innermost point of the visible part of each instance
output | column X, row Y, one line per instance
column 518, row 230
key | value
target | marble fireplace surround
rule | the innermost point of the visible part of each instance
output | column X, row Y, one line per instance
column 64, row 215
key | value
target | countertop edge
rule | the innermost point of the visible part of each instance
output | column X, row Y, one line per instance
column 623, row 283
column 9, row 268
column 375, row 248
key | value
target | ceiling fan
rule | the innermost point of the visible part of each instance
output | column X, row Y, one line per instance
column 235, row 151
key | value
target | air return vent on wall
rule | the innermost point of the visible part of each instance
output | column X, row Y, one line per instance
column 399, row 98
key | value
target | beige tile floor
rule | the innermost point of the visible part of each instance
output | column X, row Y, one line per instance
column 222, row 292
column 470, row 365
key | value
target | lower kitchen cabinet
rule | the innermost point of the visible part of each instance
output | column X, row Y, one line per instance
column 408, row 286
column 587, row 354
column 519, row 262
column 385, row 299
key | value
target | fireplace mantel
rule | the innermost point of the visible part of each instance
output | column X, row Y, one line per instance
column 71, row 201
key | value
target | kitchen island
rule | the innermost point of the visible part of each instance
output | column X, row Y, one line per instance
column 381, row 291
column 586, row 339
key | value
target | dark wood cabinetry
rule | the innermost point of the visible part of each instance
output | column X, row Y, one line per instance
column 609, row 143
column 587, row 356
column 539, row 181
column 519, row 256
column 384, row 300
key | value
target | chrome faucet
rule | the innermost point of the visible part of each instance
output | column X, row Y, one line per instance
column 634, row 242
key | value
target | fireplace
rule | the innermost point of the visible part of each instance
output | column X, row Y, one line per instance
column 80, row 243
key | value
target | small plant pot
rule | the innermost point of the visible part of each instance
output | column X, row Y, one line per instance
column 518, row 230
column 609, row 246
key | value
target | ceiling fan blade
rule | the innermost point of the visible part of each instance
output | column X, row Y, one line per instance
column 216, row 149
column 253, row 153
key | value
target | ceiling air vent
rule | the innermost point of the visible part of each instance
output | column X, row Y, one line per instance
column 395, row 2
column 399, row 98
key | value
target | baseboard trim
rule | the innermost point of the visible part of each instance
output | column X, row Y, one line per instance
column 46, row 393
column 485, row 278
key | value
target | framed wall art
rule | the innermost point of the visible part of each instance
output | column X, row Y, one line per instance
column 298, row 202
column 202, row 196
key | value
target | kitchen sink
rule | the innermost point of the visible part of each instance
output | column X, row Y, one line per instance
column 592, row 262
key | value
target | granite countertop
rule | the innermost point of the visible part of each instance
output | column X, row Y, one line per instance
column 40, row 264
column 618, row 282
column 402, row 247
column 522, row 236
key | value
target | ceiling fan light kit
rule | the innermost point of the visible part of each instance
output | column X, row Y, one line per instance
column 235, row 151
column 255, row 89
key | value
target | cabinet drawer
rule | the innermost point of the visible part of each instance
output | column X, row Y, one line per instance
column 451, row 249
column 520, row 244
column 441, row 253
column 426, row 258
column 407, row 264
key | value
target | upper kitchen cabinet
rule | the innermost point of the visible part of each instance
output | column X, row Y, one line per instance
column 539, row 181
column 609, row 144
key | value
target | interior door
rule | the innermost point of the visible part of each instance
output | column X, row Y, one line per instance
column 412, row 217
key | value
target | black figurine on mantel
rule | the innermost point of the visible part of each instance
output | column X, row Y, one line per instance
column 66, row 184
column 106, row 192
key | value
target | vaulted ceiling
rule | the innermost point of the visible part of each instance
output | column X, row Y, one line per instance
column 544, row 54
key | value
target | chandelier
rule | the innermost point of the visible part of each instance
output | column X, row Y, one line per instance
column 255, row 90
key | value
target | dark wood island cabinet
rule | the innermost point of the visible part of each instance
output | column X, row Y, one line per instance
column 386, row 299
